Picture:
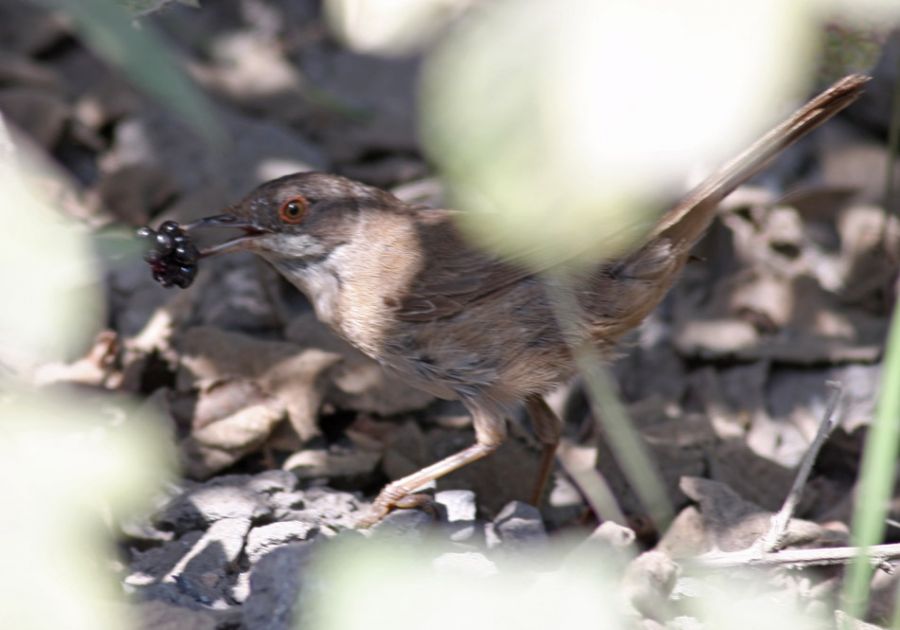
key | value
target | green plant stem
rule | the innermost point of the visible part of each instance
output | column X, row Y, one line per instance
column 606, row 406
column 877, row 474
column 143, row 58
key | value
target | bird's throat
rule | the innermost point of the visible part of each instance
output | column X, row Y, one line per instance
column 320, row 281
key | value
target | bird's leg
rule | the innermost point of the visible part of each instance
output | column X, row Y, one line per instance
column 548, row 428
column 490, row 431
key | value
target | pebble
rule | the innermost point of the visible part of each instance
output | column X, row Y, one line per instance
column 275, row 583
column 265, row 538
column 518, row 526
column 460, row 513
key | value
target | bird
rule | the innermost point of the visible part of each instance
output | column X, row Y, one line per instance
column 402, row 284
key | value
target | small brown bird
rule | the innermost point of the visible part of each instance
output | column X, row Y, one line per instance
column 401, row 284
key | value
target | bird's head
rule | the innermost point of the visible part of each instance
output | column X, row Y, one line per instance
column 297, row 217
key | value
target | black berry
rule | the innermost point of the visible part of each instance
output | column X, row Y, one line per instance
column 171, row 254
column 164, row 243
column 185, row 253
column 146, row 233
column 171, row 228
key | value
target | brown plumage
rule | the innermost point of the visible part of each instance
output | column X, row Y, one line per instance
column 400, row 283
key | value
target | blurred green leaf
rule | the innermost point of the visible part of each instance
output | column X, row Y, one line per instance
column 877, row 475
column 145, row 7
column 143, row 58
column 877, row 471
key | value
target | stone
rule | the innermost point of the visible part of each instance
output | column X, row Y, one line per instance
column 517, row 527
column 162, row 615
column 410, row 525
column 612, row 535
column 226, row 536
column 148, row 567
column 273, row 482
column 275, row 588
column 648, row 582
column 265, row 538
column 326, row 507
column 204, row 571
column 460, row 509
column 225, row 497
column 240, row 590
column 239, row 296
column 284, row 503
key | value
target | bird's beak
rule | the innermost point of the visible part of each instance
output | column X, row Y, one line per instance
column 250, row 232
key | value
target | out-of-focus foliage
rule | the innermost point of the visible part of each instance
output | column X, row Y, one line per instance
column 382, row 585
column 849, row 48
column 64, row 464
column 146, row 7
column 390, row 26
column 740, row 605
column 560, row 125
column 141, row 55
column 862, row 11
column 49, row 285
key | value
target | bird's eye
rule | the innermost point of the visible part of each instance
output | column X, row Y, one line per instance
column 293, row 210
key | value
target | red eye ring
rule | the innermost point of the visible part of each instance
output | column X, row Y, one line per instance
column 293, row 210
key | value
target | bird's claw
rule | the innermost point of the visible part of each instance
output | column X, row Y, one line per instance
column 394, row 498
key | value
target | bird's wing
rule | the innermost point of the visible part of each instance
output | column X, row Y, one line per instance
column 455, row 274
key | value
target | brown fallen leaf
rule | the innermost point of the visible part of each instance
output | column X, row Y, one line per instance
column 222, row 441
column 287, row 372
column 760, row 480
column 686, row 536
column 97, row 368
column 731, row 523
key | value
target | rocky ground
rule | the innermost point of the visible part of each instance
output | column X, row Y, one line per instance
column 285, row 433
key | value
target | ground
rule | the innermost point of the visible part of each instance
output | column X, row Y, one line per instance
column 285, row 433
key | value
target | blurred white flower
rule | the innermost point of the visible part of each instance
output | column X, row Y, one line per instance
column 561, row 125
column 52, row 298
column 382, row 585
column 748, row 601
column 64, row 465
column 390, row 26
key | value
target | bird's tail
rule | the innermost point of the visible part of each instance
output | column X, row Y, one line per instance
column 686, row 222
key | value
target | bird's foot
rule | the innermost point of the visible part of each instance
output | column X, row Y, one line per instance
column 394, row 497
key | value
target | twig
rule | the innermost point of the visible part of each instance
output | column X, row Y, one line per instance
column 774, row 538
column 608, row 410
column 877, row 554
column 590, row 482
